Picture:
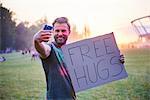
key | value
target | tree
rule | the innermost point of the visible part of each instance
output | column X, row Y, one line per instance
column 7, row 29
column 24, row 33
column 86, row 31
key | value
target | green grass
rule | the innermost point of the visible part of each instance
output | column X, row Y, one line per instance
column 23, row 79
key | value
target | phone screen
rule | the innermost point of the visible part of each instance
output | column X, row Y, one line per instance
column 48, row 27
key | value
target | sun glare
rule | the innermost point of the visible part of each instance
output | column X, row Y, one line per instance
column 102, row 16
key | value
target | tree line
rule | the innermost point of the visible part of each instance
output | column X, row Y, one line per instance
column 16, row 36
column 19, row 36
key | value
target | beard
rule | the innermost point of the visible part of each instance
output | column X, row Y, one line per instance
column 60, row 39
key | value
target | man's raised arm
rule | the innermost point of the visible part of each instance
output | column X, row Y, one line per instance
column 39, row 40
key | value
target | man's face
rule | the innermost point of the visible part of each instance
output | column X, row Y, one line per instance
column 61, row 33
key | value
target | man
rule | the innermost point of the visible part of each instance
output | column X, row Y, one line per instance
column 59, row 86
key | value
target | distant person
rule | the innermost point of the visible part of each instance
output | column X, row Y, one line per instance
column 34, row 55
column 22, row 52
column 59, row 85
column 2, row 59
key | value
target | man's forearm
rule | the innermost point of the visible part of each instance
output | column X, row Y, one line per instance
column 38, row 40
column 40, row 48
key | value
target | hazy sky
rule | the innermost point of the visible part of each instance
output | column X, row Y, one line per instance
column 102, row 16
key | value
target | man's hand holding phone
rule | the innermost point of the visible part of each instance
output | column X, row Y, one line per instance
column 44, row 35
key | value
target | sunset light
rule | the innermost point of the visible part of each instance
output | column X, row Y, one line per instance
column 102, row 16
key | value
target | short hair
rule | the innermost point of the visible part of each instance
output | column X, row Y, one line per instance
column 61, row 20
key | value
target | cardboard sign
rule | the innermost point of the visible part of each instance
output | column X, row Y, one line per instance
column 93, row 62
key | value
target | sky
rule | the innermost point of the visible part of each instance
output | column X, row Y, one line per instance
column 102, row 16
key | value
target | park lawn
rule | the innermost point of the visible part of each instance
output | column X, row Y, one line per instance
column 23, row 79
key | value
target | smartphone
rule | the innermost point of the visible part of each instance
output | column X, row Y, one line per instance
column 47, row 27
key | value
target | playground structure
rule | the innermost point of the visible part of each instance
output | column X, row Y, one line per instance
column 142, row 28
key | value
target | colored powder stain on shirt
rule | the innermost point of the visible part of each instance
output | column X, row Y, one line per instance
column 59, row 85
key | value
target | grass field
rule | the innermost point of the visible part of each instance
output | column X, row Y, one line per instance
column 23, row 79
